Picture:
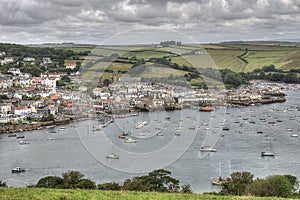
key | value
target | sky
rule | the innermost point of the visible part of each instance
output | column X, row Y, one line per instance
column 150, row 21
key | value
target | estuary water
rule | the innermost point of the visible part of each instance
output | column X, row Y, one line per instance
column 83, row 146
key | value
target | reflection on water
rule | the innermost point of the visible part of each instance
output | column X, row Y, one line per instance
column 83, row 148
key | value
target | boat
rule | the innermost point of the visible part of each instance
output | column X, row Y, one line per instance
column 20, row 136
column 225, row 128
column 130, row 140
column 112, row 156
column 294, row 135
column 207, row 149
column 177, row 134
column 17, row 170
column 12, row 135
column 125, row 133
column 259, row 132
column 205, row 109
column 269, row 152
column 62, row 128
column 23, row 142
column 217, row 181
column 289, row 129
column 160, row 134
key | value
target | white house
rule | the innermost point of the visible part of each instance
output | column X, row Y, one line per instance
column 70, row 66
column 14, row 71
column 7, row 60
column 5, row 108
column 22, row 110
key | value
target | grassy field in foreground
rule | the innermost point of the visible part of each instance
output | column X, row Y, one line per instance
column 44, row 194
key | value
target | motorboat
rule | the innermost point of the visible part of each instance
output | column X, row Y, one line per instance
column 267, row 153
column 20, row 136
column 12, row 135
column 294, row 135
column 62, row 128
column 225, row 128
column 130, row 140
column 207, row 149
column 177, row 133
column 17, row 170
column 112, row 156
column 160, row 134
column 205, row 109
column 23, row 142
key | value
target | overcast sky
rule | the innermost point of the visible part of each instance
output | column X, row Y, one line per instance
column 95, row 21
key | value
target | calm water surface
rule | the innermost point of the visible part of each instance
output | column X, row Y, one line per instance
column 81, row 148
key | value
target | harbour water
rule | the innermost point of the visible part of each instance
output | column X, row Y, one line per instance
column 84, row 147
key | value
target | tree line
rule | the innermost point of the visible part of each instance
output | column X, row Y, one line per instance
column 243, row 183
column 238, row 184
column 156, row 181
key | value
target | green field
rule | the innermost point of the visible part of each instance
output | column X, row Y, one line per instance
column 59, row 194
column 237, row 57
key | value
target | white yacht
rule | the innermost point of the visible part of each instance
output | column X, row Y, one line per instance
column 130, row 140
column 112, row 156
column 207, row 149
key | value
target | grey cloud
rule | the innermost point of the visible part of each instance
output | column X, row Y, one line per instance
column 93, row 20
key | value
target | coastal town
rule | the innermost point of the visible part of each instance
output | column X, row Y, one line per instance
column 33, row 102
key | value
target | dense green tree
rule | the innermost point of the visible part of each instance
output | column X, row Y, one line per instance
column 71, row 178
column 291, row 78
column 84, row 183
column 157, row 180
column 65, row 78
column 276, row 186
column 60, row 83
column 109, row 186
column 237, row 183
column 186, row 189
column 50, row 182
column 293, row 180
column 270, row 68
column 3, row 97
